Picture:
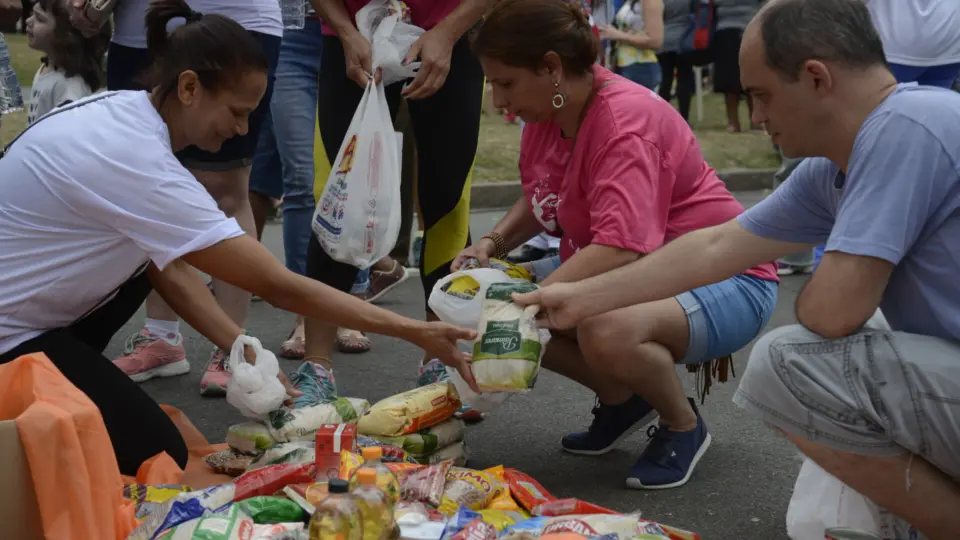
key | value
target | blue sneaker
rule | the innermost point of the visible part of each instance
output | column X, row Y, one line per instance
column 434, row 371
column 670, row 456
column 317, row 384
column 611, row 424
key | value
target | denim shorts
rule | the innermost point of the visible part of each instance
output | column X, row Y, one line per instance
column 724, row 317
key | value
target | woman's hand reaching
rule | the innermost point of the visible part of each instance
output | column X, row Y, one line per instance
column 439, row 340
column 481, row 251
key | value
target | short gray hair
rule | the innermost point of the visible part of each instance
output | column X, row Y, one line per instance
column 841, row 31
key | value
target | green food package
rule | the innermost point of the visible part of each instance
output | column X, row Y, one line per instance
column 230, row 524
column 250, row 437
column 506, row 355
column 429, row 440
column 270, row 510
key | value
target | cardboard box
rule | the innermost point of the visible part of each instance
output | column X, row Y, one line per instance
column 331, row 440
column 19, row 513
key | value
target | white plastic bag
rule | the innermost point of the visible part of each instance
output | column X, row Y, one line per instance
column 485, row 402
column 357, row 219
column 254, row 389
column 381, row 22
column 820, row 502
column 461, row 303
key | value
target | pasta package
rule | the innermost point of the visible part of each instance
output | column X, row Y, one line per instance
column 507, row 353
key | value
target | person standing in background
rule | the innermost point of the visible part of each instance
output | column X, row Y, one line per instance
column 637, row 31
column 676, row 20
column 11, row 100
column 732, row 17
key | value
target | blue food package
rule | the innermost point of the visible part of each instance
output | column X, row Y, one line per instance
column 182, row 508
column 458, row 521
column 533, row 526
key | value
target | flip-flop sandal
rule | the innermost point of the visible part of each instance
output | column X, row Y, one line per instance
column 294, row 348
column 352, row 341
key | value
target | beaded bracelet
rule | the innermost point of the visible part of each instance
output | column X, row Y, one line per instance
column 499, row 244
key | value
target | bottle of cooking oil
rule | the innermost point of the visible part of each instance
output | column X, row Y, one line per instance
column 337, row 517
column 386, row 481
column 375, row 512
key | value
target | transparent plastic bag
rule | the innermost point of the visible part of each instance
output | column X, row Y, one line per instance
column 381, row 22
column 254, row 389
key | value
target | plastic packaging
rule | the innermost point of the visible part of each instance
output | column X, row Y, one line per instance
column 390, row 37
column 337, row 516
column 148, row 499
column 526, row 490
column 268, row 510
column 410, row 411
column 376, row 512
column 385, row 479
column 182, row 508
column 506, row 356
column 293, row 13
column 231, row 524
column 425, row 484
column 458, row 298
column 278, row 531
column 269, row 480
column 468, row 488
column 456, row 452
column 229, row 462
column 820, row 501
column 295, row 453
column 429, row 440
column 250, row 437
column 291, row 425
column 254, row 389
column 566, row 507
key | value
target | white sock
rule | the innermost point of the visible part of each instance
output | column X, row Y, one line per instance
column 168, row 331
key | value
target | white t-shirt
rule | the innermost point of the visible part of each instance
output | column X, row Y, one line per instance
column 52, row 89
column 87, row 196
column 255, row 15
column 918, row 32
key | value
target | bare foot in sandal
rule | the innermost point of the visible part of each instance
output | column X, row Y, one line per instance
column 352, row 341
column 295, row 347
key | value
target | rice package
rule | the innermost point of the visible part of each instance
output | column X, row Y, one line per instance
column 289, row 425
column 250, row 437
column 509, row 346
column 458, row 298
column 296, row 453
column 410, row 411
column 456, row 452
column 429, row 440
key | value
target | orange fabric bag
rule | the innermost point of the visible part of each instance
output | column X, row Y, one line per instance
column 74, row 471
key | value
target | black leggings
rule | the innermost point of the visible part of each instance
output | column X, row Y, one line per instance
column 683, row 64
column 138, row 427
column 446, row 127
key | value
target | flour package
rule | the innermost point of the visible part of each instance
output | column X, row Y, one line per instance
column 509, row 346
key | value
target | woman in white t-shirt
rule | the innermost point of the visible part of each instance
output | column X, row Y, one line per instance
column 225, row 173
column 96, row 210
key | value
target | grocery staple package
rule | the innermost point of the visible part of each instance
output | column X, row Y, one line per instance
column 458, row 298
column 428, row 440
column 290, row 425
column 510, row 345
column 410, row 411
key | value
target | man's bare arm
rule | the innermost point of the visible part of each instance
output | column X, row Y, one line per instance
column 699, row 258
column 843, row 293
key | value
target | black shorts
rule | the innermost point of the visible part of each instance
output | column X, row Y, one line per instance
column 126, row 65
column 726, row 61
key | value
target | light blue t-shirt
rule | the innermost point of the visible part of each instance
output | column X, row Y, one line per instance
column 899, row 201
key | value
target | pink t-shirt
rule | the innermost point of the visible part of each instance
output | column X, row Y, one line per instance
column 423, row 13
column 635, row 179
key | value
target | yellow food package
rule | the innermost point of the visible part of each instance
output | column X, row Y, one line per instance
column 507, row 268
column 504, row 500
column 410, row 411
column 469, row 488
column 349, row 463
column 501, row 519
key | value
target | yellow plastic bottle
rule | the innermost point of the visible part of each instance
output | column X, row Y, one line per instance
column 375, row 512
column 386, row 480
column 337, row 517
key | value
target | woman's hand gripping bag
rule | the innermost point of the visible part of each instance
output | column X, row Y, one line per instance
column 357, row 220
column 254, row 389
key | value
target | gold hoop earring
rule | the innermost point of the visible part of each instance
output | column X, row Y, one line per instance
column 559, row 98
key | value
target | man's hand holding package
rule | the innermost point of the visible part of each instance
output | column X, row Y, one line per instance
column 561, row 305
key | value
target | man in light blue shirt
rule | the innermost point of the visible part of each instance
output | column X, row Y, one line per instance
column 878, row 409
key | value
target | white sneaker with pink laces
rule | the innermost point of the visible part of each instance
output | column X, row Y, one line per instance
column 217, row 374
column 147, row 356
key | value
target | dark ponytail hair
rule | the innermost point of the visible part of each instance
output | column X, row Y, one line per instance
column 519, row 33
column 216, row 48
column 74, row 54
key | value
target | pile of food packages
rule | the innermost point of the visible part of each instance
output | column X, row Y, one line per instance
column 337, row 468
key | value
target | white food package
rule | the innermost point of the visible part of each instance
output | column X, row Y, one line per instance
column 289, row 425
column 821, row 502
column 458, row 298
column 254, row 389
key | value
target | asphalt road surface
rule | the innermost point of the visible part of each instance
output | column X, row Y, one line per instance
column 740, row 489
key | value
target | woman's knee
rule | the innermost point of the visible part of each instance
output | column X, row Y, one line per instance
column 608, row 337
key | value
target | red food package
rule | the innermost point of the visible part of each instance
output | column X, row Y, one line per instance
column 426, row 484
column 331, row 439
column 568, row 507
column 477, row 529
column 679, row 534
column 527, row 491
column 269, row 480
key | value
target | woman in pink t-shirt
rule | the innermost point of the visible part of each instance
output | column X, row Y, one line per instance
column 613, row 170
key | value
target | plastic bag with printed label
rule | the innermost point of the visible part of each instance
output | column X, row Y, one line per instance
column 382, row 23
column 254, row 389
column 458, row 298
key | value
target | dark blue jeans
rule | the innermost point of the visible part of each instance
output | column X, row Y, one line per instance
column 646, row 74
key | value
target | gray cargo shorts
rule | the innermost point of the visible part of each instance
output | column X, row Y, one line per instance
column 872, row 393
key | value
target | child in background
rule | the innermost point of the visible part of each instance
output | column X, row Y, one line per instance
column 73, row 67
